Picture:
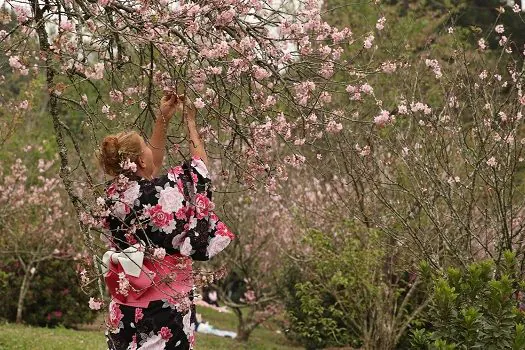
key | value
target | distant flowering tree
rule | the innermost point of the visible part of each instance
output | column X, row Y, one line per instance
column 432, row 159
column 437, row 162
column 255, row 258
column 272, row 223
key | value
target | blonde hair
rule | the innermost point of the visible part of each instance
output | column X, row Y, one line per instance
column 115, row 149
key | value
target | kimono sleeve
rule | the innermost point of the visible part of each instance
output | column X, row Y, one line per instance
column 205, row 234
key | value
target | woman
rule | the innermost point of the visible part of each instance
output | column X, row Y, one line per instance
column 157, row 225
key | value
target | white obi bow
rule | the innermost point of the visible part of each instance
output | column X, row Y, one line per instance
column 130, row 259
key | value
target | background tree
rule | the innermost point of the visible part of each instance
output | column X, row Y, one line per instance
column 33, row 221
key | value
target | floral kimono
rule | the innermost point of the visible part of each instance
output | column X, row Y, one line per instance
column 157, row 228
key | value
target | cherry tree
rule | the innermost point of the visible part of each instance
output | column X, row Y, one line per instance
column 250, row 67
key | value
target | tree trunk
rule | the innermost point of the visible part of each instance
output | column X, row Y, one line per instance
column 23, row 291
column 243, row 333
column 244, row 325
column 404, row 9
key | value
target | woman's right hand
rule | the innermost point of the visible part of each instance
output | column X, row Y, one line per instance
column 189, row 111
column 195, row 143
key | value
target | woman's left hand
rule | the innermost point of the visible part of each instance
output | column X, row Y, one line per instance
column 169, row 104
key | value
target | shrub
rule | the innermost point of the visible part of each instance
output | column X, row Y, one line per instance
column 475, row 308
column 54, row 297
column 345, row 292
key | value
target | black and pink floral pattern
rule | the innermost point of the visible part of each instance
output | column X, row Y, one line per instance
column 169, row 215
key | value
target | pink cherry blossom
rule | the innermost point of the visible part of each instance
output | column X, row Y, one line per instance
column 66, row 26
column 123, row 284
column 383, row 118
column 116, row 96
column 434, row 64
column 95, row 304
column 199, row 104
column 129, row 165
column 225, row 17
column 482, row 44
column 369, row 40
column 260, row 73
column 14, row 62
column 366, row 88
column 22, row 13
column 492, row 162
column 388, row 67
column 380, row 25
column 333, row 127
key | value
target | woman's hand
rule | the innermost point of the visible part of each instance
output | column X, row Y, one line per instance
column 169, row 104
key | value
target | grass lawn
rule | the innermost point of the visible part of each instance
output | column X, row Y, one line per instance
column 24, row 337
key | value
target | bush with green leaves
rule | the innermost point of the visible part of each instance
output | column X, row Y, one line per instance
column 345, row 289
column 479, row 307
column 55, row 297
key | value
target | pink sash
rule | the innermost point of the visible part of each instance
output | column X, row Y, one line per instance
column 170, row 278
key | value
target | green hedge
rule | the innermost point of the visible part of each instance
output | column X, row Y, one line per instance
column 54, row 297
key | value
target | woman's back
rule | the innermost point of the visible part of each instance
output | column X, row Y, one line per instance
column 173, row 212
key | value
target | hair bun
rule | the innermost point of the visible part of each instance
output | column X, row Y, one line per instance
column 110, row 145
column 116, row 148
column 109, row 155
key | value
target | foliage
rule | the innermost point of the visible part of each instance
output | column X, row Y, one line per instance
column 479, row 14
column 55, row 297
column 343, row 291
column 479, row 307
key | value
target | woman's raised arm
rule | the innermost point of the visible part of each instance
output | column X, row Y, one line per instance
column 168, row 106
column 196, row 145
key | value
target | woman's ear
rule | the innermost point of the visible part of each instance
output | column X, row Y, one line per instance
column 141, row 163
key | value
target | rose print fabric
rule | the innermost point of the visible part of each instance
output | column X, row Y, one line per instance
column 172, row 220
column 159, row 326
